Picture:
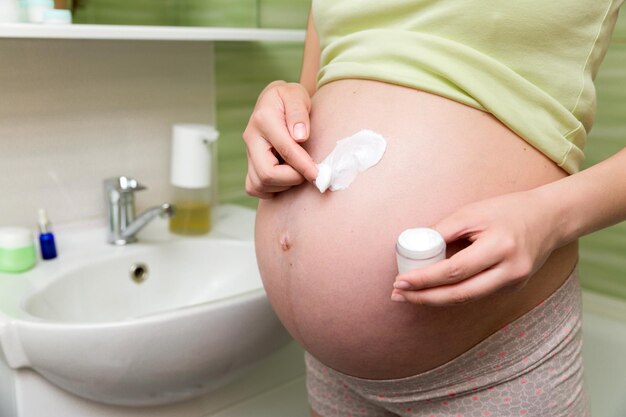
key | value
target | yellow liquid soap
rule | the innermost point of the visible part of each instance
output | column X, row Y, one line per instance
column 191, row 218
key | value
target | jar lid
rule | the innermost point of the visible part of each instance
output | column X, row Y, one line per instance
column 420, row 243
column 15, row 237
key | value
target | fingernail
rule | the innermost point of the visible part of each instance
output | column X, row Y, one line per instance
column 299, row 131
column 398, row 297
column 401, row 285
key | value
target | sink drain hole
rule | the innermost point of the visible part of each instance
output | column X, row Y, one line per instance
column 138, row 272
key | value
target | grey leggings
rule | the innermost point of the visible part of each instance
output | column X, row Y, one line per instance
column 532, row 368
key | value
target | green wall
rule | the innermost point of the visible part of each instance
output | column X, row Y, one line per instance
column 603, row 254
column 234, row 13
column 244, row 68
column 238, row 13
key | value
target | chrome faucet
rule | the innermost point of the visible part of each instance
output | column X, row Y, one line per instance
column 120, row 202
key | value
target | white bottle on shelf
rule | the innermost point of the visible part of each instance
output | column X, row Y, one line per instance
column 34, row 11
column 9, row 11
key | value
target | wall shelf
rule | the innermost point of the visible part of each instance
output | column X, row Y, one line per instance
column 154, row 33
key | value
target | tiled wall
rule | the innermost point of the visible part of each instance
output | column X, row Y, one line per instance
column 237, row 13
column 75, row 112
column 283, row 13
column 242, row 71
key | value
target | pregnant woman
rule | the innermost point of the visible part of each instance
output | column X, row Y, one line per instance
column 484, row 107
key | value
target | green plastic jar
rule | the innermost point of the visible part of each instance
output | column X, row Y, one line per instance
column 17, row 249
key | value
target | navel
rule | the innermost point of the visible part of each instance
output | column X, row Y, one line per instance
column 285, row 243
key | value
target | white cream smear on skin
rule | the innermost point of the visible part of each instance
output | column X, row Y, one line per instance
column 351, row 156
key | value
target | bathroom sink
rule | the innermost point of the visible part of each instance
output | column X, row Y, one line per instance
column 187, row 274
column 156, row 322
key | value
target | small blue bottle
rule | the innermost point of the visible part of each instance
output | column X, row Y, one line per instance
column 46, row 238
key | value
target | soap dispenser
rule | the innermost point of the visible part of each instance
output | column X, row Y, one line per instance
column 192, row 176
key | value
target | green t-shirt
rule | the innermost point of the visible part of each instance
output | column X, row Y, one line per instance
column 530, row 63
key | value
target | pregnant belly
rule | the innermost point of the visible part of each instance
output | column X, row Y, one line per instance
column 328, row 260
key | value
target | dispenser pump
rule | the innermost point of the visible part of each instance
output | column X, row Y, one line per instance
column 192, row 155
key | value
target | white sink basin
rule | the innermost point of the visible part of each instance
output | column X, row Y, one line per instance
column 89, row 324
column 177, row 275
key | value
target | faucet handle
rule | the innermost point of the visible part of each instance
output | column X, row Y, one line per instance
column 123, row 184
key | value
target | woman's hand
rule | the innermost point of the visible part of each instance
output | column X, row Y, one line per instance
column 276, row 161
column 511, row 237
